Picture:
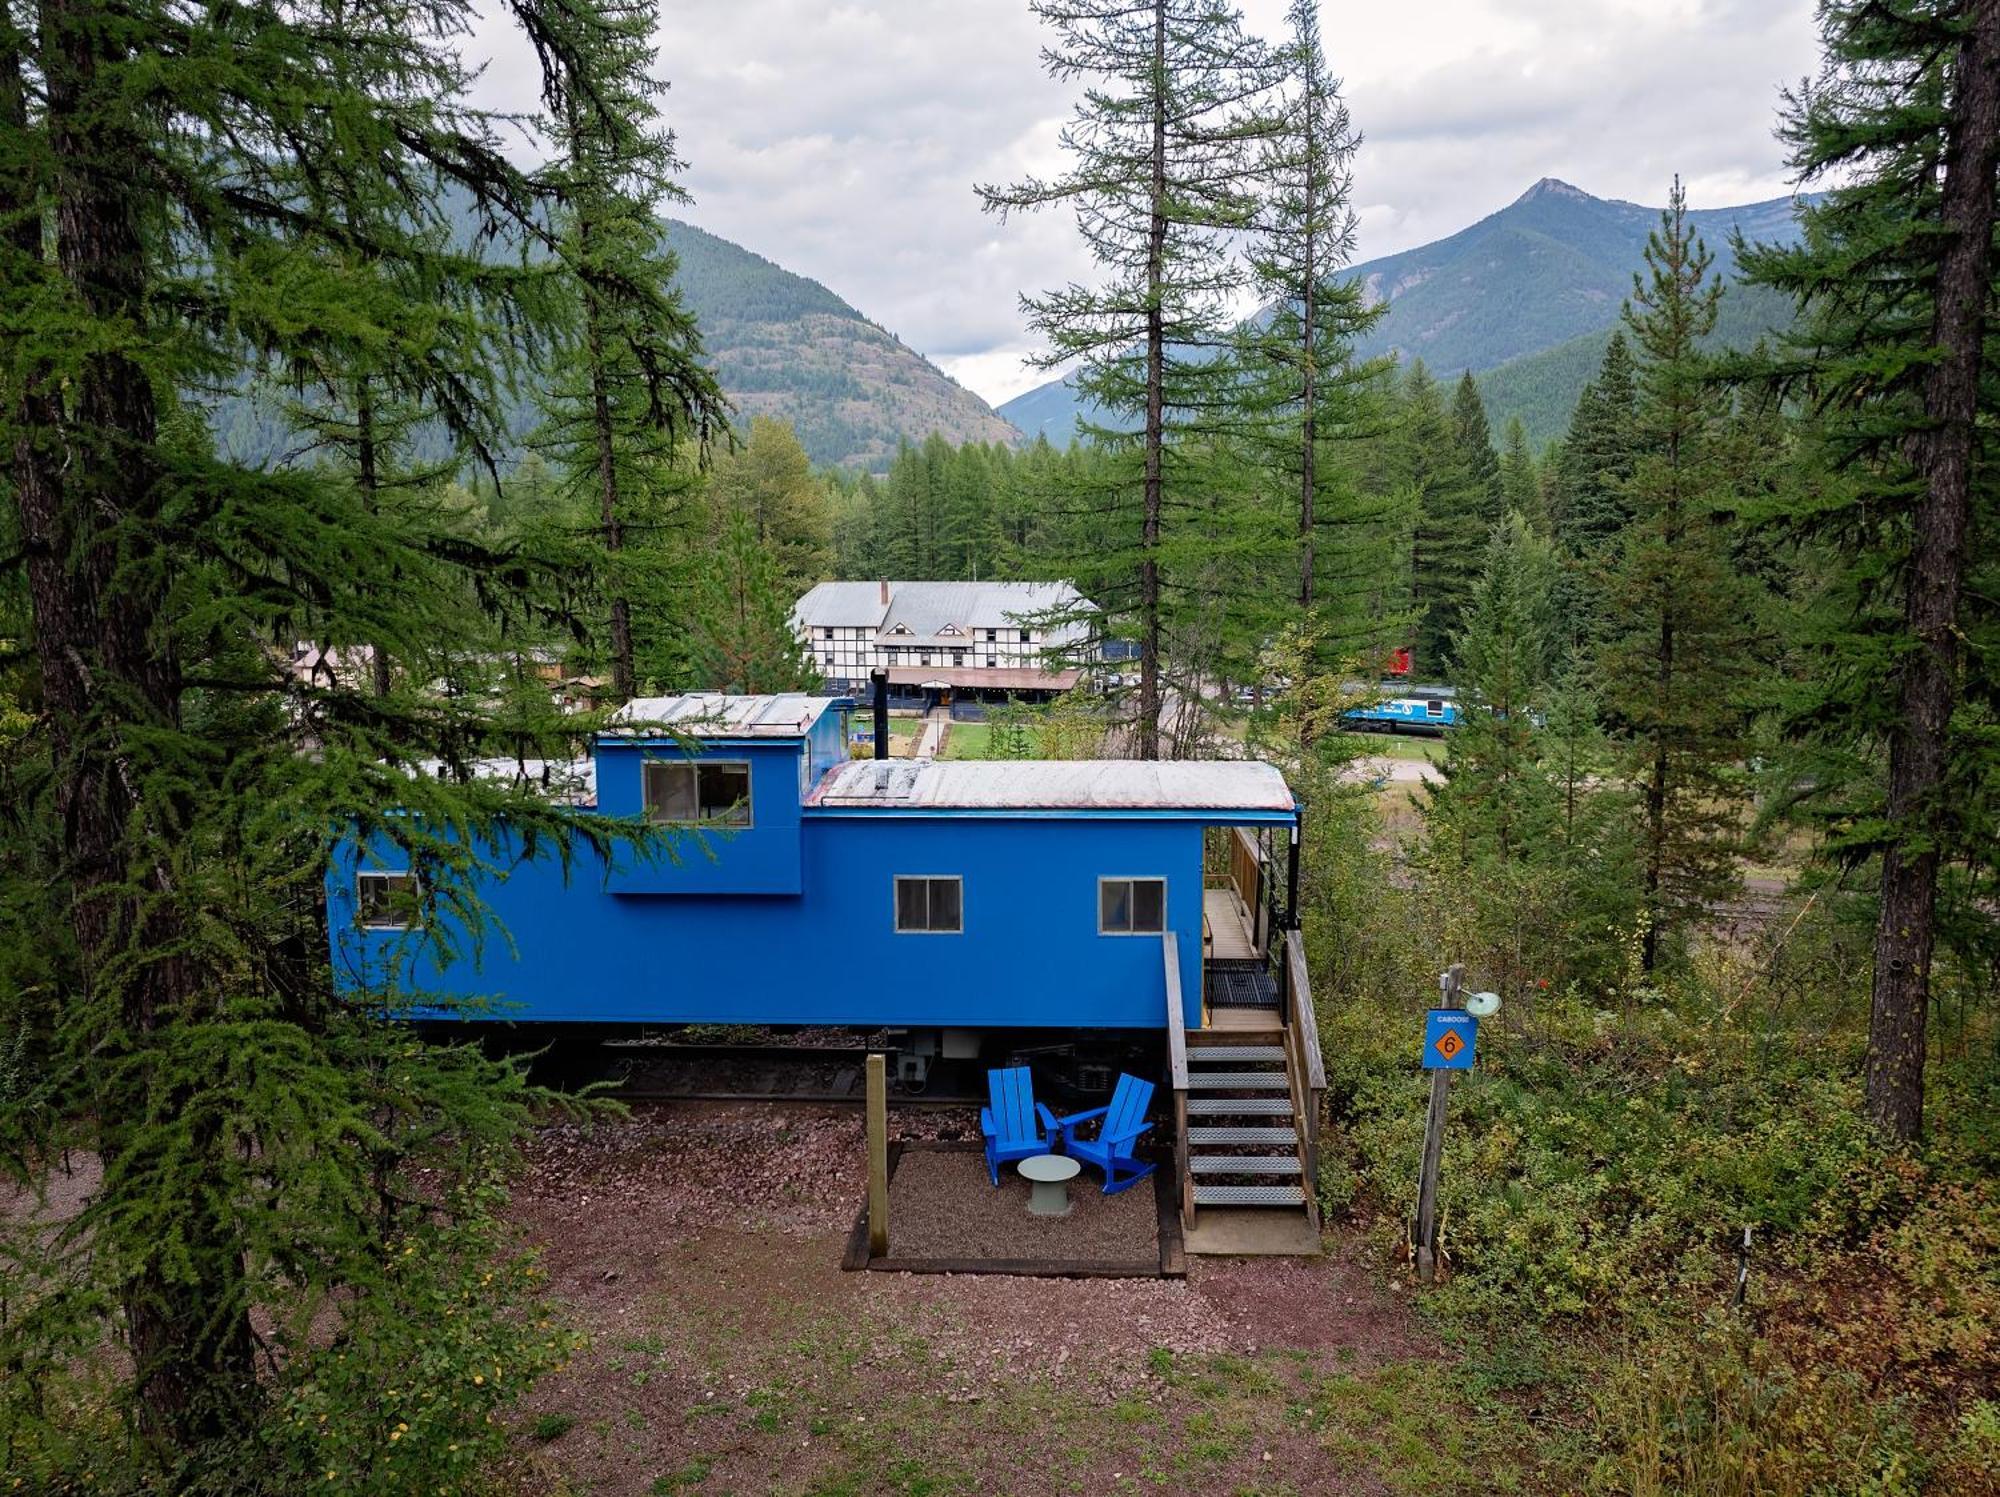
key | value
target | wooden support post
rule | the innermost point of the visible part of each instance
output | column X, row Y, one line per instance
column 878, row 1156
column 1427, row 1180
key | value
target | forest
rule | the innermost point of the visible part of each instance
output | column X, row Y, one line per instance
column 1721, row 823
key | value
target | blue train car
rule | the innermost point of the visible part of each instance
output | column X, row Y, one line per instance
column 1422, row 710
column 978, row 895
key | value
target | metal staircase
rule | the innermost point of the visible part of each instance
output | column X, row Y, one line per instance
column 1246, row 1101
column 1239, row 1153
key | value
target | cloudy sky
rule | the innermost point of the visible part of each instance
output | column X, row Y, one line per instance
column 842, row 140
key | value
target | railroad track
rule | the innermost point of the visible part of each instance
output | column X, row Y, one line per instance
column 825, row 1074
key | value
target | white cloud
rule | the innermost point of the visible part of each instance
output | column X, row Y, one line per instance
column 843, row 141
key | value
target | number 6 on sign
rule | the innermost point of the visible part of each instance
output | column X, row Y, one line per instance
column 1449, row 1036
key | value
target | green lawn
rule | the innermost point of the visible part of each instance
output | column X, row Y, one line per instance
column 970, row 740
column 1397, row 746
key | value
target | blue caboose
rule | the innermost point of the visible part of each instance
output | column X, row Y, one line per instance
column 1064, row 898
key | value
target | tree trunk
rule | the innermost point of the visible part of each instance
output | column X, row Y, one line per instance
column 1156, row 350
column 97, row 590
column 371, row 483
column 624, row 669
column 1941, row 453
column 1309, row 425
column 1656, row 806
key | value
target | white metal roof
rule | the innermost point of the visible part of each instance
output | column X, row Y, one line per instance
column 921, row 610
column 710, row 714
column 1054, row 785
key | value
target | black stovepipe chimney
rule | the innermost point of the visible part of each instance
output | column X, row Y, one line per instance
column 881, row 680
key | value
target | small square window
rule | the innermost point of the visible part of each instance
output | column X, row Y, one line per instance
column 386, row 900
column 929, row 905
column 1433, row 707
column 1131, row 906
column 714, row 794
column 1024, row 636
column 826, row 634
column 991, row 635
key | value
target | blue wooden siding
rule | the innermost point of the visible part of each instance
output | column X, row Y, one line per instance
column 1030, row 954
column 762, row 858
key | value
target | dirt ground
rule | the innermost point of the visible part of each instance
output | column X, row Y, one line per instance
column 699, row 1247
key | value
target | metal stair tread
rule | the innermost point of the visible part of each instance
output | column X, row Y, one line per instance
column 1241, row 1080
column 1246, row 1107
column 1249, row 1195
column 1244, row 1164
column 1205, row 1054
column 1286, row 1136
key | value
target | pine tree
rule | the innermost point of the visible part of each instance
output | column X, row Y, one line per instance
column 1163, row 176
column 1597, row 459
column 1493, row 792
column 1472, row 439
column 171, row 228
column 1448, row 537
column 1521, row 480
column 1894, row 276
column 1677, row 629
column 635, row 403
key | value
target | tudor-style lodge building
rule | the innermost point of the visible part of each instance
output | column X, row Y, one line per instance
column 1012, row 638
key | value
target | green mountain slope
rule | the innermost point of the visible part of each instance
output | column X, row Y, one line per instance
column 1549, row 270
column 1542, row 388
column 781, row 344
column 785, row 346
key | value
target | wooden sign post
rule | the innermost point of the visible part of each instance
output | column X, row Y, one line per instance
column 1452, row 987
column 878, row 1156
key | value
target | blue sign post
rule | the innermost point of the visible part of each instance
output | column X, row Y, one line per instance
column 1450, row 1035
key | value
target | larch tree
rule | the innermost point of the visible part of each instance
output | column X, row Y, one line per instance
column 1312, row 397
column 769, row 481
column 1676, row 629
column 634, row 406
column 1892, row 365
column 1163, row 177
column 195, row 197
column 743, row 635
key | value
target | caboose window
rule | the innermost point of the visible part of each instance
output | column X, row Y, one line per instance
column 1433, row 707
column 716, row 794
column 929, row 905
column 386, row 900
column 1131, row 906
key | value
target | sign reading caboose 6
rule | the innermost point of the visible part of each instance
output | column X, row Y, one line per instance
column 1449, row 1036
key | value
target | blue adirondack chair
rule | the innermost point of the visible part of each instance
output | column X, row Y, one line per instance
column 1016, row 1125
column 1118, row 1128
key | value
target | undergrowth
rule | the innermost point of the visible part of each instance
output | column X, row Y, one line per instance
column 1601, row 1165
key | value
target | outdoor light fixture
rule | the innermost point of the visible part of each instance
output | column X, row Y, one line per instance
column 1482, row 1005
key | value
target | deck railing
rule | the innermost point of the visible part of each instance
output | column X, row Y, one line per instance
column 1305, row 1063
column 1177, row 1068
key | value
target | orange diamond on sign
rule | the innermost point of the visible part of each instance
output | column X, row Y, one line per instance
column 1449, row 1044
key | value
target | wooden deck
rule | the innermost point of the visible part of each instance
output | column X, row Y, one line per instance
column 1259, row 1021
column 1226, row 927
